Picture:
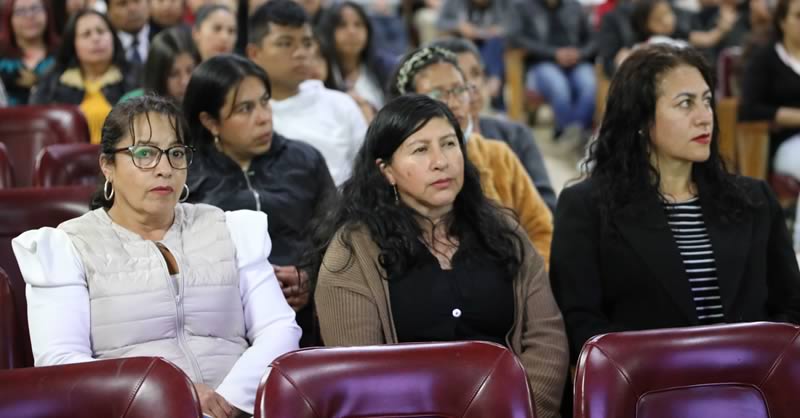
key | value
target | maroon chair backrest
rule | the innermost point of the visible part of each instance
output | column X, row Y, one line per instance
column 733, row 371
column 6, row 168
column 67, row 165
column 136, row 387
column 25, row 130
column 728, row 64
column 23, row 209
column 8, row 325
column 460, row 379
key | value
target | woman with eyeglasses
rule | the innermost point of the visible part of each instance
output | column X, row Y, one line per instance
column 434, row 72
column 28, row 41
column 414, row 251
column 146, row 275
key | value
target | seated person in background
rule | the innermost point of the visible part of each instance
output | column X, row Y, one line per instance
column 415, row 252
column 90, row 70
column 214, row 31
column 143, row 275
column 435, row 72
column 771, row 87
column 558, row 40
column 130, row 19
column 193, row 7
column 319, row 69
column 654, row 21
column 166, row 13
column 242, row 164
column 660, row 235
column 516, row 135
column 616, row 36
column 169, row 65
column 390, row 35
column 281, row 42
column 718, row 25
column 361, row 70
column 27, row 42
column 480, row 21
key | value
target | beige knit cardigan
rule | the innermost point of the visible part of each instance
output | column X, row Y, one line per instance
column 354, row 309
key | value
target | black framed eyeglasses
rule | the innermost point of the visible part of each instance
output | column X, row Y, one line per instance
column 148, row 156
column 445, row 95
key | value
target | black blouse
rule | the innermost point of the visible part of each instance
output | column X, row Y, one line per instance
column 474, row 300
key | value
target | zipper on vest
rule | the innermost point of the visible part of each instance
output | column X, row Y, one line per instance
column 180, row 319
column 252, row 190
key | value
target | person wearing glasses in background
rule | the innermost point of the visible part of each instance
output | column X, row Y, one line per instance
column 434, row 72
column 146, row 275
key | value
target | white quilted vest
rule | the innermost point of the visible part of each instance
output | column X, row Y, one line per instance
column 137, row 310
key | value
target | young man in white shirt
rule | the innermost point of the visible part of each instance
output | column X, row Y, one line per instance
column 280, row 41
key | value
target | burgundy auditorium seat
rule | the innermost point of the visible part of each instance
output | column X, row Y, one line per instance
column 136, row 387
column 6, row 169
column 27, row 129
column 454, row 380
column 67, row 165
column 8, row 325
column 732, row 371
column 23, row 209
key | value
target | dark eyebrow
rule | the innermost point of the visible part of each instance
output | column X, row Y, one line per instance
column 691, row 95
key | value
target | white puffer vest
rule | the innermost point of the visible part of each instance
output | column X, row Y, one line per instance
column 138, row 310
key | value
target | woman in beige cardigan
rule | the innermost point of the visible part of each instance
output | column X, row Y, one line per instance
column 415, row 252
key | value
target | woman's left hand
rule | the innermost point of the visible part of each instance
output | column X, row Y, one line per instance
column 294, row 284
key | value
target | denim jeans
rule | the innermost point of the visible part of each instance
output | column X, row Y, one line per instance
column 570, row 91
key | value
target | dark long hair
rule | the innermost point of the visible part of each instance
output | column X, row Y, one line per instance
column 619, row 160
column 119, row 124
column 210, row 83
column 779, row 15
column 8, row 40
column 67, row 58
column 368, row 200
column 329, row 21
column 166, row 46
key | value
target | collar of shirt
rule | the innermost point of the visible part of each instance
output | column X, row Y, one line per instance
column 142, row 36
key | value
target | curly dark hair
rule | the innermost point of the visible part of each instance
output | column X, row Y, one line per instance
column 619, row 162
column 368, row 200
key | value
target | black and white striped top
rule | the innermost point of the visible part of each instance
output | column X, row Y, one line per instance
column 686, row 221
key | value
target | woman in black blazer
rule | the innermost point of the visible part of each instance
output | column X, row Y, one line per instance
column 660, row 234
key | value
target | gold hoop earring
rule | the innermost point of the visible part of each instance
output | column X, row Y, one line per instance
column 106, row 194
column 184, row 198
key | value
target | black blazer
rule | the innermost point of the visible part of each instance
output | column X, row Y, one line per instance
column 631, row 276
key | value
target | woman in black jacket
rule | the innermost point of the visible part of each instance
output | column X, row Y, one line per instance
column 242, row 164
column 660, row 234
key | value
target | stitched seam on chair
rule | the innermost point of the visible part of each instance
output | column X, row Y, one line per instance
column 671, row 388
column 297, row 388
column 778, row 359
column 138, row 386
column 483, row 383
column 620, row 370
